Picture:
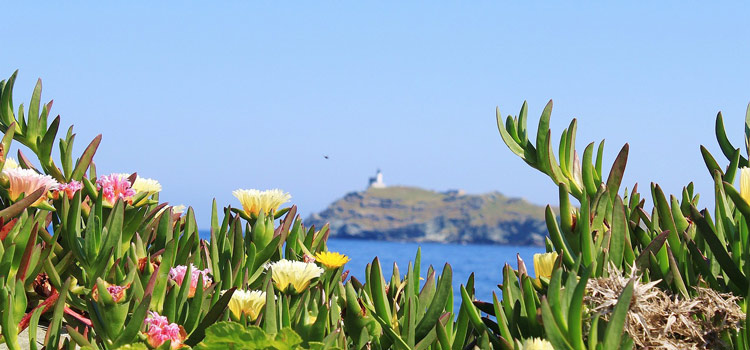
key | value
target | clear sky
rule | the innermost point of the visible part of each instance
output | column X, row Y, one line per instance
column 208, row 98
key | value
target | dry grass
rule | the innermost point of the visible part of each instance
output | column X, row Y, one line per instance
column 657, row 320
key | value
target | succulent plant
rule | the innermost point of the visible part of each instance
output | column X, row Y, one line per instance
column 104, row 264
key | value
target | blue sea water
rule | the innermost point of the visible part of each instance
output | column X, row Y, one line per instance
column 486, row 261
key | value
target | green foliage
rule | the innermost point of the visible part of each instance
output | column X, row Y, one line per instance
column 231, row 335
column 63, row 277
column 136, row 346
column 674, row 243
column 104, row 271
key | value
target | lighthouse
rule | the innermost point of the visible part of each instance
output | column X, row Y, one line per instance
column 377, row 181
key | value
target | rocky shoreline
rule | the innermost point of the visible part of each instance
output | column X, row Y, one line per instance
column 413, row 214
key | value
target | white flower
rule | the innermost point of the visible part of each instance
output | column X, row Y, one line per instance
column 248, row 303
column 146, row 185
column 255, row 201
column 293, row 276
column 26, row 181
column 536, row 344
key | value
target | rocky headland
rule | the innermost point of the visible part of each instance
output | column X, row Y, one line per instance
column 417, row 215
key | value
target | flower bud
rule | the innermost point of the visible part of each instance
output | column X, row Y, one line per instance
column 261, row 238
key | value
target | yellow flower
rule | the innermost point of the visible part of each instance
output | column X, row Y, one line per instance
column 745, row 184
column 536, row 344
column 331, row 260
column 26, row 181
column 248, row 303
column 293, row 276
column 255, row 201
column 146, row 185
column 543, row 264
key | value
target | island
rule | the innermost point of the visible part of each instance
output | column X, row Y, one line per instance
column 411, row 214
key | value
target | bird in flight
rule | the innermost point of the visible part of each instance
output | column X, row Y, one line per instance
column 326, row 157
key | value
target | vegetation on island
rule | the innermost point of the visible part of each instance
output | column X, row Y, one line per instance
column 100, row 263
column 400, row 213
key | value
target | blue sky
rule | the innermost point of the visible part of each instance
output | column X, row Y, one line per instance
column 211, row 98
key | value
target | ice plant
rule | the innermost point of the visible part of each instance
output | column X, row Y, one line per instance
column 543, row 264
column 745, row 184
column 293, row 276
column 26, row 181
column 254, row 201
column 159, row 330
column 114, row 187
column 144, row 261
column 175, row 211
column 331, row 260
column 177, row 274
column 178, row 209
column 576, row 171
column 69, row 189
column 146, row 185
column 536, row 344
column 117, row 292
column 10, row 163
column 308, row 258
column 248, row 303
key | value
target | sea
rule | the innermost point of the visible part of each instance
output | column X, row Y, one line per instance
column 484, row 260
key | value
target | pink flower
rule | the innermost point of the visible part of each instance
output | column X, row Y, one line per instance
column 115, row 186
column 156, row 320
column 177, row 274
column 68, row 189
column 159, row 330
column 117, row 292
column 26, row 181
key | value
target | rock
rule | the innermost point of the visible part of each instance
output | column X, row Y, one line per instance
column 23, row 338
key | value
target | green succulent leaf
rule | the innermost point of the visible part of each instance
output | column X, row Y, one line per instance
column 211, row 317
column 724, row 143
column 88, row 155
column 438, row 304
column 616, row 326
column 552, row 330
column 736, row 276
column 231, row 335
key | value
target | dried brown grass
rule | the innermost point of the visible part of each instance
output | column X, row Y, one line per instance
column 657, row 320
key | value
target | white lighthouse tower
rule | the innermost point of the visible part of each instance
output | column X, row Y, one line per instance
column 377, row 181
